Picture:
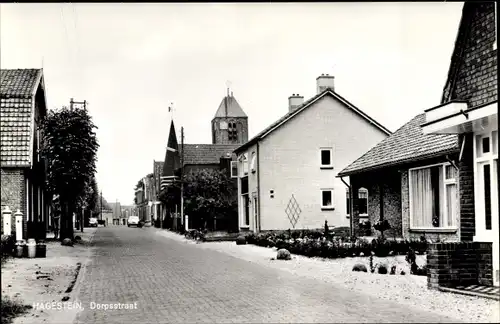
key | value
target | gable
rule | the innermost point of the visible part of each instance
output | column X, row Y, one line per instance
column 290, row 115
column 17, row 91
column 472, row 74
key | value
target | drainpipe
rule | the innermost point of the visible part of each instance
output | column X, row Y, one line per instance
column 350, row 203
column 258, row 188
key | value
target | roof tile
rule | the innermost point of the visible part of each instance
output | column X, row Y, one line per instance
column 406, row 144
column 207, row 153
column 15, row 132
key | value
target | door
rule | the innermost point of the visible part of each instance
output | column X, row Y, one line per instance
column 486, row 190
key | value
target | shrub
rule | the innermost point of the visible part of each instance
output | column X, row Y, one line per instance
column 314, row 243
column 241, row 240
column 283, row 254
column 359, row 268
column 67, row 242
column 372, row 268
column 382, row 269
column 7, row 246
column 393, row 270
column 11, row 309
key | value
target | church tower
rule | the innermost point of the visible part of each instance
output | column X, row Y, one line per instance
column 230, row 124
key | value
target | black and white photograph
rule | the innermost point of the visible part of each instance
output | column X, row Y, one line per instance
column 253, row 162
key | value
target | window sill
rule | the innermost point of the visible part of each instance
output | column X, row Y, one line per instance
column 327, row 208
column 435, row 229
column 326, row 167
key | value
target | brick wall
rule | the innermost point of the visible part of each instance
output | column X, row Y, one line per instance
column 459, row 263
column 473, row 68
column 476, row 78
column 221, row 136
column 13, row 192
column 391, row 186
column 466, row 189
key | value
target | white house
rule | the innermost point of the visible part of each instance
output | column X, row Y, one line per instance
column 287, row 172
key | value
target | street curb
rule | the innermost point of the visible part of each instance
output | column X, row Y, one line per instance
column 81, row 275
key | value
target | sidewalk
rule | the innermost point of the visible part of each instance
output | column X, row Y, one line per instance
column 46, row 280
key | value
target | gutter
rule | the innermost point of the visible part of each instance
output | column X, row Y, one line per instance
column 258, row 188
column 350, row 203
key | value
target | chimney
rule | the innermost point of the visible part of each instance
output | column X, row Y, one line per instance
column 323, row 82
column 294, row 101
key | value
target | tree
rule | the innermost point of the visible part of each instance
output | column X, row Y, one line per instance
column 208, row 194
column 93, row 199
column 70, row 147
column 139, row 185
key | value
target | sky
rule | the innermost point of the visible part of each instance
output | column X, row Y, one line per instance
column 132, row 61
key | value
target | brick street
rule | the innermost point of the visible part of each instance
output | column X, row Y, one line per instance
column 174, row 282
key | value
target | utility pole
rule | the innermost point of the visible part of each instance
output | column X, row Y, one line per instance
column 182, row 176
column 72, row 104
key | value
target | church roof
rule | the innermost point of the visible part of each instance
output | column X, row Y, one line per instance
column 229, row 107
column 172, row 161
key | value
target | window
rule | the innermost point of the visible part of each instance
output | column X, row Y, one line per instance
column 246, row 210
column 433, row 196
column 348, row 202
column 486, row 144
column 363, row 202
column 38, row 140
column 234, row 169
column 253, row 162
column 244, row 163
column 326, row 158
column 245, row 202
column 327, row 198
column 232, row 132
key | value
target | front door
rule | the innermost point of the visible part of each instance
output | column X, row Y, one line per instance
column 486, row 194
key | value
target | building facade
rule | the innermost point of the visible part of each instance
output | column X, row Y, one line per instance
column 439, row 171
column 23, row 169
column 286, row 174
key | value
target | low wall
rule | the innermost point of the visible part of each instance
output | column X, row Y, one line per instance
column 459, row 263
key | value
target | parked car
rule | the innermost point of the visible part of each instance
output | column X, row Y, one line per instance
column 133, row 221
column 93, row 222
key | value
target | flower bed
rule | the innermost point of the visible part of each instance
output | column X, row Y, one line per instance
column 313, row 243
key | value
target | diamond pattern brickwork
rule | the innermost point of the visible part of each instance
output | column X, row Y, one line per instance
column 293, row 211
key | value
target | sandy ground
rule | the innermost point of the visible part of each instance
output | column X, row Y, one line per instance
column 42, row 282
column 408, row 289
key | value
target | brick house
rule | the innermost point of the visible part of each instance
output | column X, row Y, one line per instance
column 287, row 172
column 438, row 173
column 23, row 170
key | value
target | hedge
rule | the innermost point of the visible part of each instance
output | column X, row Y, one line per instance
column 314, row 243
